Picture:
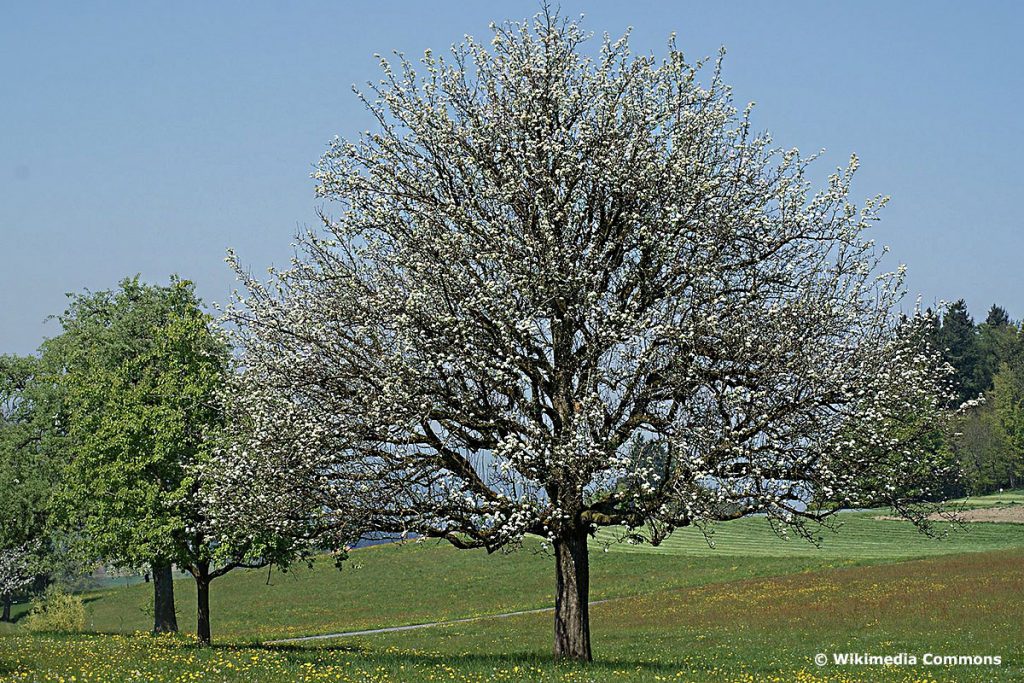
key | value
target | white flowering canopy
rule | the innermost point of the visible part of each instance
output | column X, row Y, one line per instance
column 562, row 290
column 16, row 568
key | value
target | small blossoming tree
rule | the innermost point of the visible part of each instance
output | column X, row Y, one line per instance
column 564, row 291
column 15, row 574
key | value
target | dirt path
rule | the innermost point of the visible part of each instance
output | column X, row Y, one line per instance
column 413, row 627
column 1009, row 514
column 1013, row 514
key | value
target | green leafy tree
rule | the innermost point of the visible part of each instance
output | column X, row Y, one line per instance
column 986, row 358
column 29, row 443
column 999, row 342
column 982, row 448
column 142, row 369
column 1007, row 399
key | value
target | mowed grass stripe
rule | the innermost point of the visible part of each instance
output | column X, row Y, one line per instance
column 859, row 535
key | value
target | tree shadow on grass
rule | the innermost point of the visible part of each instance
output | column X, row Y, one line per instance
column 299, row 654
column 19, row 615
column 21, row 610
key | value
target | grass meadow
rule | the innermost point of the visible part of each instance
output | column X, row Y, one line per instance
column 753, row 608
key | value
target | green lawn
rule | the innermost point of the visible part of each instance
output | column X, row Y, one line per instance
column 754, row 608
column 860, row 536
column 393, row 585
column 1008, row 497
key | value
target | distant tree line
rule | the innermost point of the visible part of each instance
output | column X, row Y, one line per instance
column 989, row 361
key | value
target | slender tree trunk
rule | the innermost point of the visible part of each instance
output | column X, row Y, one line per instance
column 8, row 599
column 572, row 592
column 202, row 577
column 165, row 620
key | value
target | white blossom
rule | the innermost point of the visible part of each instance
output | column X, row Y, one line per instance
column 562, row 291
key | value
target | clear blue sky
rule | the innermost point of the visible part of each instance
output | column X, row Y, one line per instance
column 149, row 137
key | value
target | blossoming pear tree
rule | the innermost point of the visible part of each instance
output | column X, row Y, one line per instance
column 566, row 288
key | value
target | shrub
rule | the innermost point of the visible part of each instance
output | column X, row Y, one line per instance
column 56, row 611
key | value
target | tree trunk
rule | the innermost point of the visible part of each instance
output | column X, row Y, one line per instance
column 572, row 592
column 202, row 577
column 8, row 599
column 165, row 620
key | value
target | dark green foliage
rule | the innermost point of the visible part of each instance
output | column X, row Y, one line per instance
column 997, row 317
column 958, row 340
column 989, row 363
